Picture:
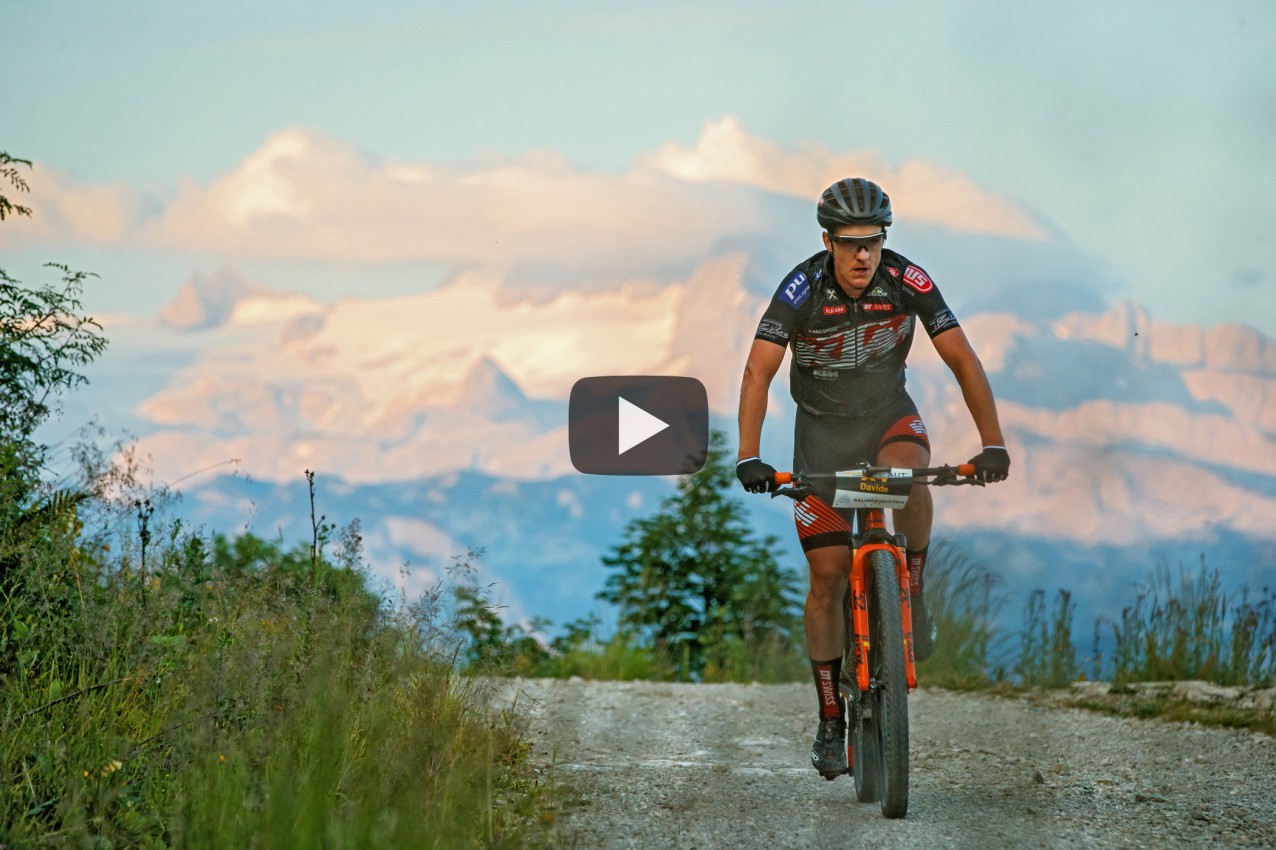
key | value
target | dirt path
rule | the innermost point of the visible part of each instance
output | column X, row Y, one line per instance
column 709, row 766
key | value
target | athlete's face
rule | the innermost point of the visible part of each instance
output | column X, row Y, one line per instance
column 855, row 262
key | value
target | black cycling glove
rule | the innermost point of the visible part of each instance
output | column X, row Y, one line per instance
column 756, row 476
column 992, row 464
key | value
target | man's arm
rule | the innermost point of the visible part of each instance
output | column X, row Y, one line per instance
column 955, row 350
column 764, row 361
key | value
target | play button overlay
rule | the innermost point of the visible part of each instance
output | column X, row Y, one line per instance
column 638, row 425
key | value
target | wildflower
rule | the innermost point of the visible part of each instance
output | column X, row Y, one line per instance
column 111, row 766
column 222, row 759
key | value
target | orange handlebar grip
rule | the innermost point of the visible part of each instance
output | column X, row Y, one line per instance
column 784, row 478
column 966, row 470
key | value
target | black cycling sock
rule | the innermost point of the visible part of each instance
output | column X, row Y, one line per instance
column 826, row 676
column 916, row 567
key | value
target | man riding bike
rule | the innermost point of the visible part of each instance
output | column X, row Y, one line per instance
column 849, row 313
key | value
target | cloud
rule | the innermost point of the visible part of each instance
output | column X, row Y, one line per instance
column 64, row 208
column 304, row 195
column 919, row 189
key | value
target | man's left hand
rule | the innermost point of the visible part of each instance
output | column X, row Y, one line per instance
column 992, row 464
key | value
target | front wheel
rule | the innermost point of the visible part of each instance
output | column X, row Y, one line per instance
column 889, row 693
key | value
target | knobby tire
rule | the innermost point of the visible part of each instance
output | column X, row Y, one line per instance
column 887, row 662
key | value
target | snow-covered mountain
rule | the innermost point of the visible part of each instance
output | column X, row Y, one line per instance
column 439, row 419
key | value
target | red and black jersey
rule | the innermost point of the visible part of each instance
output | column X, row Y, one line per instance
column 849, row 353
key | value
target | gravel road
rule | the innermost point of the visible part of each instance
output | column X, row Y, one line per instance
column 709, row 766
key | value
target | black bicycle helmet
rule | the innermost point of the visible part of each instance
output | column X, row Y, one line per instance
column 853, row 201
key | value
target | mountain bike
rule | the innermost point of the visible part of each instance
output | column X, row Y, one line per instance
column 878, row 667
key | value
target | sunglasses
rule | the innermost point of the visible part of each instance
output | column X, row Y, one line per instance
column 871, row 242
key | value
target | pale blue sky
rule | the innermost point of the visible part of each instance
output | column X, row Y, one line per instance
column 1142, row 131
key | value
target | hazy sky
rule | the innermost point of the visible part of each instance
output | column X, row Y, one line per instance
column 1141, row 133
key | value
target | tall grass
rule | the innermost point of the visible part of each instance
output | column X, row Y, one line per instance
column 964, row 598
column 1185, row 626
column 1181, row 626
column 1047, row 655
column 236, row 694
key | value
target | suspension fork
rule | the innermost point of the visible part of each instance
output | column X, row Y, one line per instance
column 871, row 534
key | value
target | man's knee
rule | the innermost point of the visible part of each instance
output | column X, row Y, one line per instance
column 905, row 454
column 828, row 569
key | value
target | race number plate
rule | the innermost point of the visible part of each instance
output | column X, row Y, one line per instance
column 873, row 488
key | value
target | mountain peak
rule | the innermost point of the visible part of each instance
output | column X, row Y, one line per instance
column 206, row 301
column 488, row 389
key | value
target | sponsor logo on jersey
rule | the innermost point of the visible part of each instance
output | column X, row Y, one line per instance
column 942, row 320
column 882, row 307
column 851, row 348
column 876, row 292
column 796, row 289
column 772, row 330
column 892, row 271
column 835, row 309
column 917, row 279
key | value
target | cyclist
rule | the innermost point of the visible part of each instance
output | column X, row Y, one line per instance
column 848, row 313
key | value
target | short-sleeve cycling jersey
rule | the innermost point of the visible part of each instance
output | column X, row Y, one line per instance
column 849, row 353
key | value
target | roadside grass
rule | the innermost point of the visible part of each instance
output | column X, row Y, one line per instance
column 1181, row 626
column 1179, row 711
column 236, row 694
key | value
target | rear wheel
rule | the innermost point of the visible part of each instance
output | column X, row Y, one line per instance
column 889, row 696
column 868, row 758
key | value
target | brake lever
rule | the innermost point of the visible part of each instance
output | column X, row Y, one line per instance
column 950, row 479
column 797, row 493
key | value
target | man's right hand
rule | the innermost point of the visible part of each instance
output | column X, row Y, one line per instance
column 756, row 476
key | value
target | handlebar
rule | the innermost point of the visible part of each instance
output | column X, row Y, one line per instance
column 799, row 486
